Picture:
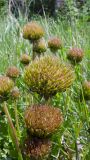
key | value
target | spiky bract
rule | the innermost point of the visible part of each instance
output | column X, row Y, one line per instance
column 13, row 72
column 75, row 54
column 40, row 46
column 86, row 90
column 54, row 44
column 25, row 59
column 33, row 31
column 6, row 84
column 42, row 120
column 36, row 148
column 47, row 75
column 15, row 93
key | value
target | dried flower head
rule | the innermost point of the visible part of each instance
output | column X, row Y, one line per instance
column 47, row 75
column 33, row 31
column 25, row 59
column 86, row 90
column 42, row 120
column 13, row 72
column 75, row 54
column 6, row 85
column 39, row 46
column 54, row 44
column 15, row 93
column 36, row 148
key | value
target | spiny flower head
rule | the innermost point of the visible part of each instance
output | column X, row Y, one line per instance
column 13, row 72
column 54, row 44
column 47, row 75
column 25, row 59
column 6, row 85
column 75, row 54
column 15, row 93
column 42, row 120
column 40, row 46
column 33, row 31
column 36, row 148
column 86, row 90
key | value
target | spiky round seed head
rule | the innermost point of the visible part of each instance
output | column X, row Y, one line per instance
column 75, row 54
column 13, row 72
column 33, row 31
column 25, row 59
column 42, row 120
column 6, row 85
column 86, row 90
column 40, row 46
column 54, row 44
column 36, row 148
column 15, row 93
column 47, row 75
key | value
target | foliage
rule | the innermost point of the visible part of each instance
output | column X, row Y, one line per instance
column 72, row 139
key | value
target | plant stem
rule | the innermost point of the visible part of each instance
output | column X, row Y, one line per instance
column 14, row 134
column 16, row 118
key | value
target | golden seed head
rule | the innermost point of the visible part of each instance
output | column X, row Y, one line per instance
column 86, row 90
column 40, row 46
column 36, row 148
column 54, row 44
column 13, row 72
column 15, row 93
column 25, row 59
column 6, row 85
column 75, row 54
column 47, row 75
column 42, row 120
column 33, row 31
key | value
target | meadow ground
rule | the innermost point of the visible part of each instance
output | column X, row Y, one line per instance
column 73, row 139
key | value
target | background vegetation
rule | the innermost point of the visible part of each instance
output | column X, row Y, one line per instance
column 73, row 139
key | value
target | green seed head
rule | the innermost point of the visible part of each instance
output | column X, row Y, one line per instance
column 42, row 120
column 15, row 93
column 47, row 75
column 33, row 31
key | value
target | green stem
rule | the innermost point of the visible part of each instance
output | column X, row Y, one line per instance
column 16, row 118
column 14, row 134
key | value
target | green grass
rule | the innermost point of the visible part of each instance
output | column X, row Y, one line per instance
column 73, row 139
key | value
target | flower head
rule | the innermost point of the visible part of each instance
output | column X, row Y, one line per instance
column 36, row 148
column 47, row 75
column 13, row 72
column 15, row 93
column 54, row 44
column 6, row 85
column 42, row 120
column 75, row 54
column 33, row 31
column 86, row 90
column 40, row 46
column 25, row 59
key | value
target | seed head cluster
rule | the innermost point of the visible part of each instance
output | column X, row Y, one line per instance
column 25, row 59
column 39, row 46
column 86, row 90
